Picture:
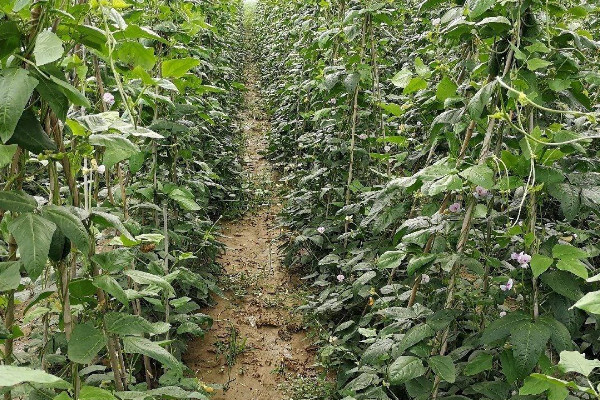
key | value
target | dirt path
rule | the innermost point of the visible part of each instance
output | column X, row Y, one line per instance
column 256, row 340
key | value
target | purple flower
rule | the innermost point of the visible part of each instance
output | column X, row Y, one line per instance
column 321, row 230
column 454, row 208
column 481, row 192
column 522, row 258
column 425, row 279
column 509, row 285
column 363, row 136
column 109, row 99
column 340, row 278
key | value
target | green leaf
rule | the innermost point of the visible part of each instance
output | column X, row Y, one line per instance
column 402, row 78
column 117, row 148
column 132, row 325
column 534, row 64
column 48, row 48
column 392, row 108
column 573, row 361
column 112, row 221
column 139, row 345
column 33, row 234
column 478, row 7
column 86, row 342
column 30, row 135
column 69, row 224
column 135, row 54
column 415, row 335
column 112, row 287
column 415, row 84
column 444, row 367
column 574, row 266
column 480, row 175
column 391, row 259
column 7, row 152
column 404, row 369
column 145, row 278
column 445, row 184
column 179, row 67
column 560, row 335
column 446, row 89
column 11, row 376
column 184, row 200
column 568, row 251
column 529, row 341
column 17, row 201
column 590, row 303
column 500, row 328
column 481, row 362
column 10, row 276
column 569, row 197
column 480, row 100
column 16, row 86
column 540, row 264
column 95, row 393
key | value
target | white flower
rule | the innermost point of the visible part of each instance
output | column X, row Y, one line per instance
column 101, row 169
column 425, row 278
column 340, row 278
column 502, row 314
column 109, row 99
column 509, row 285
column 387, row 149
column 321, row 230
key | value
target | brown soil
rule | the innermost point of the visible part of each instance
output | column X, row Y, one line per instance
column 258, row 313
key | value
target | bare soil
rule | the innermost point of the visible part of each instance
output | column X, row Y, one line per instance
column 257, row 340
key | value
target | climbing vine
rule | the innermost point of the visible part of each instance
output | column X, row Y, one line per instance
column 442, row 160
column 119, row 154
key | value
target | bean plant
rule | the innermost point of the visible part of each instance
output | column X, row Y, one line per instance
column 442, row 159
column 120, row 152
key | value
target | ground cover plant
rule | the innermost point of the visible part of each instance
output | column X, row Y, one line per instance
column 443, row 173
column 120, row 152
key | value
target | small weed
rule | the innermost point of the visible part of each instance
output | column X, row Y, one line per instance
column 231, row 350
column 308, row 388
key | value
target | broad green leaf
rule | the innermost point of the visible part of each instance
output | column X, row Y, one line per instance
column 480, row 100
column 534, row 64
column 402, row 78
column 184, row 200
column 48, row 48
column 568, row 251
column 540, row 264
column 405, row 368
column 117, row 148
column 7, row 151
column 573, row 361
column 574, row 266
column 139, row 345
column 444, row 367
column 112, row 287
column 446, row 89
column 135, row 54
column 590, row 303
column 415, row 84
column 74, row 95
column 30, row 135
column 377, row 352
column 17, row 201
column 560, row 335
column 86, row 342
column 445, row 184
column 11, row 376
column 500, row 328
column 422, row 69
column 478, row 7
column 563, row 283
column 481, row 362
column 179, row 67
column 10, row 277
column 69, row 224
column 480, row 175
column 392, row 108
column 145, row 278
column 167, row 391
column 95, row 393
column 132, row 325
column 110, row 220
column 33, row 234
column 415, row 335
column 16, row 86
column 529, row 341
column 391, row 259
